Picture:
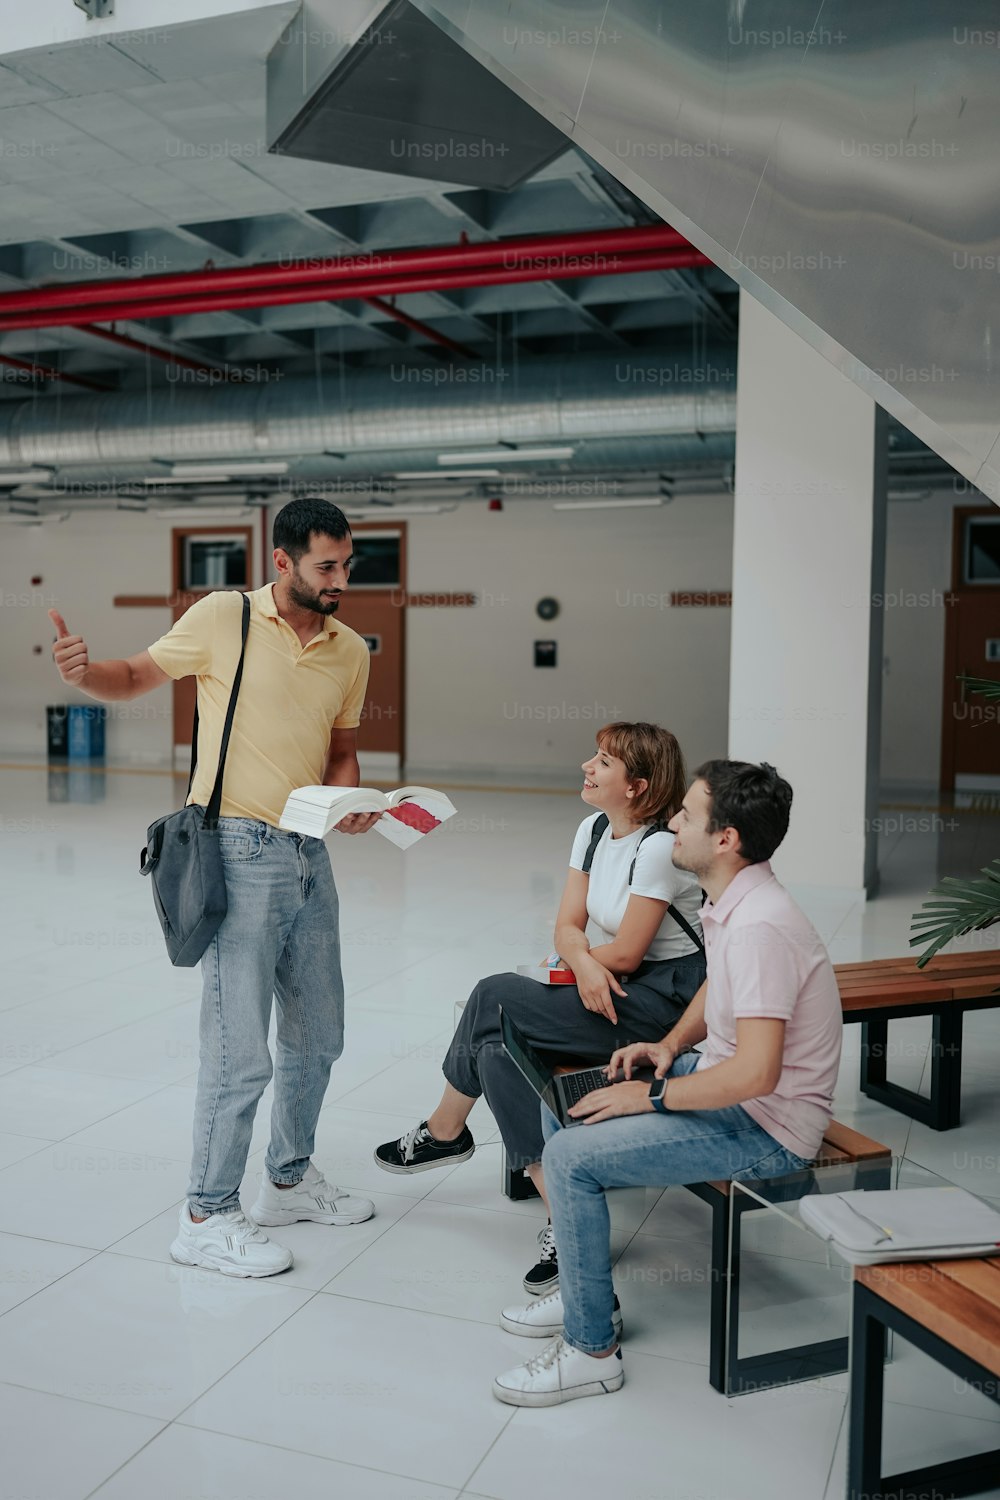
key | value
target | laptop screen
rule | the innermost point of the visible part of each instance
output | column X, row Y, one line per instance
column 527, row 1059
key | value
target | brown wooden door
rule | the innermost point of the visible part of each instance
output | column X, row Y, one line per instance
column 970, row 743
column 375, row 616
column 379, row 613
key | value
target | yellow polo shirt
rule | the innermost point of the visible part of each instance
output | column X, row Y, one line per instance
column 291, row 697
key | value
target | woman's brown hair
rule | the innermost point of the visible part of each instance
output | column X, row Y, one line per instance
column 652, row 754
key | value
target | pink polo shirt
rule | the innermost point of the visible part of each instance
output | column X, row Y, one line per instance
column 765, row 958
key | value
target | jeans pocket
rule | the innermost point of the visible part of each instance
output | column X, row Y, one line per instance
column 240, row 846
column 775, row 1164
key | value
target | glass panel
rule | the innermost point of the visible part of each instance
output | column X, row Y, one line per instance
column 794, row 1292
column 376, row 560
column 213, row 562
column 982, row 550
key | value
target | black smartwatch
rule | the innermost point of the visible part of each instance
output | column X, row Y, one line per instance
column 658, row 1094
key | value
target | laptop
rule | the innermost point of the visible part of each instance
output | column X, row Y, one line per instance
column 560, row 1091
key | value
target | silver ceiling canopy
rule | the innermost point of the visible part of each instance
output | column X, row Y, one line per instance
column 840, row 162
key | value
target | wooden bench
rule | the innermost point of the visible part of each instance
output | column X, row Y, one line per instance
column 950, row 1309
column 885, row 989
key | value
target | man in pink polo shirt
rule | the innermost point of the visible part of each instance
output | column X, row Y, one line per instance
column 754, row 1102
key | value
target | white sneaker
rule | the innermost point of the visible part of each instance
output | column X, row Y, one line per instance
column 560, row 1373
column 228, row 1243
column 313, row 1198
column 543, row 1318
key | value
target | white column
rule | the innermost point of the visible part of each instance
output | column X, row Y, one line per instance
column 808, row 564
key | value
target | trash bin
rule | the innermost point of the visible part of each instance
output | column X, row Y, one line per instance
column 85, row 736
column 56, row 731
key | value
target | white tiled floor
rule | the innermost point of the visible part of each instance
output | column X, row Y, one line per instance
column 365, row 1371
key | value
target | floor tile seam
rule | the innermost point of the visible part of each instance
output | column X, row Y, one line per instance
column 38, row 1390
column 125, row 1462
column 59, row 1140
column 308, row 1296
column 476, row 1467
column 833, row 1456
column 98, row 1037
column 936, row 1410
column 371, row 1243
column 308, row 1452
column 55, row 1280
column 100, row 979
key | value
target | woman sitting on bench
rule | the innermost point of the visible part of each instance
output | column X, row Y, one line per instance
column 635, row 982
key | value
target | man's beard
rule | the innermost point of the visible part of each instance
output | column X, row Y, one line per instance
column 304, row 598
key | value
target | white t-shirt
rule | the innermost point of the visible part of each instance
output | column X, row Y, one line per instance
column 655, row 875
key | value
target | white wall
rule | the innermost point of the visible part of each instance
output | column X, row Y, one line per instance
column 474, row 698
column 83, row 563
column 632, row 657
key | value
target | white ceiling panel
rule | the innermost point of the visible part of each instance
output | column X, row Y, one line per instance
column 85, row 67
column 120, row 123
column 211, row 46
column 18, row 88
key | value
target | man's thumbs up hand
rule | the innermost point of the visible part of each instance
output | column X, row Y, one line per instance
column 69, row 652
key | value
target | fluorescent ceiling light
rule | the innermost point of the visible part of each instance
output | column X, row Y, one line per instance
column 202, row 512
column 505, row 455
column 436, row 474
column 605, row 504
column 226, row 470
column 399, row 513
column 24, row 476
column 176, row 480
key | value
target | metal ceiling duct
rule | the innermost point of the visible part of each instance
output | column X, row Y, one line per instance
column 380, row 87
column 838, row 161
column 392, row 419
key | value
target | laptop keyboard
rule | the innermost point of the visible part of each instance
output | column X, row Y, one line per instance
column 579, row 1084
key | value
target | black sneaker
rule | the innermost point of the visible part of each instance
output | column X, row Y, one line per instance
column 418, row 1151
column 544, row 1275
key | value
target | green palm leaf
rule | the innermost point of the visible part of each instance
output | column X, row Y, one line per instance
column 987, row 686
column 965, row 906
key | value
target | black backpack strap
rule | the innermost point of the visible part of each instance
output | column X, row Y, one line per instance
column 682, row 922
column 596, row 834
column 215, row 801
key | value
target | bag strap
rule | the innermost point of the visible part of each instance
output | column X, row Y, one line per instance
column 597, row 833
column 215, row 800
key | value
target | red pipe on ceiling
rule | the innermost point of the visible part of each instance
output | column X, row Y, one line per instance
column 422, row 328
column 348, row 267
column 342, row 290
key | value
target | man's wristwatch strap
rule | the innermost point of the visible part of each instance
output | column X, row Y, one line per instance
column 658, row 1095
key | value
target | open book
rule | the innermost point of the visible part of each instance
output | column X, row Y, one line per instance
column 410, row 812
column 551, row 970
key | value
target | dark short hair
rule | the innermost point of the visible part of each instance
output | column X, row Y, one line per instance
column 753, row 799
column 299, row 520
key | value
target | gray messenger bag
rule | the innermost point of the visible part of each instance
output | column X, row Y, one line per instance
column 182, row 858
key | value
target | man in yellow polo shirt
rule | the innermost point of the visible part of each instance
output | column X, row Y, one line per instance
column 296, row 724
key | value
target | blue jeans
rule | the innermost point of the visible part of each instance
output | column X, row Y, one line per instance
column 647, row 1150
column 280, row 939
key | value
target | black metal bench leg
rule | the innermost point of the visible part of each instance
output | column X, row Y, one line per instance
column 719, row 1275
column 864, row 1439
column 946, row 1068
column 874, row 1045
column 942, row 1111
column 515, row 1185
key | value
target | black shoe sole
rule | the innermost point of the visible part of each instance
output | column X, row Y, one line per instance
column 425, row 1166
column 541, row 1288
